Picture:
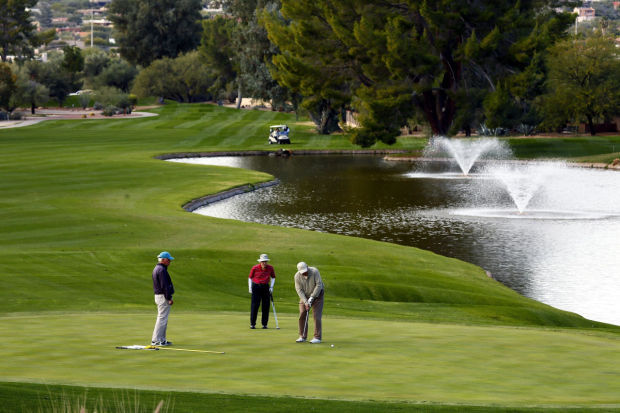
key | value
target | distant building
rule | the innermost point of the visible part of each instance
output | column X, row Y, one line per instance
column 584, row 13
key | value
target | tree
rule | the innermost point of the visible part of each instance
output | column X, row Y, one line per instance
column 30, row 91
column 59, row 82
column 584, row 80
column 182, row 79
column 8, row 86
column 253, row 52
column 118, row 73
column 391, row 58
column 17, row 31
column 73, row 61
column 45, row 18
column 310, row 60
column 147, row 30
column 217, row 51
column 95, row 61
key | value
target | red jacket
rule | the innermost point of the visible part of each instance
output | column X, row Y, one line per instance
column 260, row 276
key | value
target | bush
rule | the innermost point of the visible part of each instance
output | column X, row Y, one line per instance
column 484, row 130
column 16, row 115
column 98, row 106
column 525, row 129
column 110, row 110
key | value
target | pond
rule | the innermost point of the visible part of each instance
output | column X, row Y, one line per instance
column 564, row 250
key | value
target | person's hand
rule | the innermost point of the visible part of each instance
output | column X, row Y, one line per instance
column 270, row 290
column 170, row 302
column 250, row 291
column 307, row 307
column 310, row 300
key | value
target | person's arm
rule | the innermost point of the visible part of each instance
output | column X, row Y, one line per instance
column 158, row 284
column 250, row 280
column 168, row 288
column 318, row 287
column 273, row 280
column 300, row 291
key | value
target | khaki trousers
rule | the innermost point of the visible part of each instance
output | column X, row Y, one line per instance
column 163, row 309
column 317, row 313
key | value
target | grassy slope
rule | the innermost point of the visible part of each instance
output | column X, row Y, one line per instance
column 581, row 149
column 85, row 208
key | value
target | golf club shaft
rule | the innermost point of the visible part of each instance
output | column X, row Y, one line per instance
column 187, row 349
column 306, row 327
column 274, row 311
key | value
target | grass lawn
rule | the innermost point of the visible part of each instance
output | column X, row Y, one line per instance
column 86, row 208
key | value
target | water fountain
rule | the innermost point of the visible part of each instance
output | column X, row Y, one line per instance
column 548, row 183
column 523, row 181
column 466, row 152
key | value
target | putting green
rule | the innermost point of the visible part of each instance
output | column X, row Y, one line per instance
column 370, row 360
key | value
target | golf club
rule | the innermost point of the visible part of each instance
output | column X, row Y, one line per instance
column 187, row 349
column 306, row 327
column 273, row 305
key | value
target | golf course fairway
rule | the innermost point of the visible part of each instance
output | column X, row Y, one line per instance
column 86, row 207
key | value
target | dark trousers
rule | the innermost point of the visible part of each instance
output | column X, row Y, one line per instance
column 260, row 298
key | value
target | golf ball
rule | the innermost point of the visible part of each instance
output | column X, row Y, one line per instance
column 332, row 345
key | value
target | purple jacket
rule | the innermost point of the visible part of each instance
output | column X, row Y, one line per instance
column 162, row 284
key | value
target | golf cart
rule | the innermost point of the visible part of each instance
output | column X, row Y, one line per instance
column 278, row 134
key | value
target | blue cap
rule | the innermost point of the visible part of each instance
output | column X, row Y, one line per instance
column 165, row 254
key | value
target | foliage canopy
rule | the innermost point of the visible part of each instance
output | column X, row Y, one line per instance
column 151, row 29
column 391, row 59
column 584, row 81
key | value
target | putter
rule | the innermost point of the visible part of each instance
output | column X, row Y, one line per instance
column 274, row 311
column 306, row 327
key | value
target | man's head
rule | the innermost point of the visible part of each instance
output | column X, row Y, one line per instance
column 165, row 258
column 302, row 268
column 263, row 259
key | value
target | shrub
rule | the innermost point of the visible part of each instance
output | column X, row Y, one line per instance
column 110, row 110
column 16, row 115
column 526, row 129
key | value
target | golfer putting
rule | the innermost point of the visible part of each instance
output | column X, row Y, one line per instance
column 309, row 287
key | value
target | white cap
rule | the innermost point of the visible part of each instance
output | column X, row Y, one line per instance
column 302, row 267
column 263, row 257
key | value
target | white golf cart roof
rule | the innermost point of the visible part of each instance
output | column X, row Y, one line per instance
column 277, row 126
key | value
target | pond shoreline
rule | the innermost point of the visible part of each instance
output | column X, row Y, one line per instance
column 281, row 152
column 194, row 204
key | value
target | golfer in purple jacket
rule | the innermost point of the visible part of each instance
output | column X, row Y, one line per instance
column 163, row 289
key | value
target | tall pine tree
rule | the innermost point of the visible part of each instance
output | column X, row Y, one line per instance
column 390, row 59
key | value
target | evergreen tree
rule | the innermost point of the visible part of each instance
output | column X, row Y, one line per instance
column 147, row 30
column 217, row 51
column 390, row 59
column 17, row 31
column 8, row 86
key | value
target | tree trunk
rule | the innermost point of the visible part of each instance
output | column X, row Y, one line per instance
column 591, row 124
column 239, row 96
column 439, row 111
column 326, row 121
column 32, row 108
